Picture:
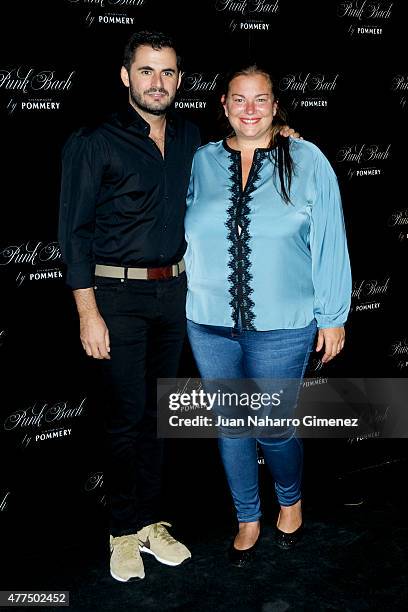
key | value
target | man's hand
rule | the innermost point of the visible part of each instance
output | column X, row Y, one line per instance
column 333, row 340
column 94, row 336
column 93, row 331
column 288, row 131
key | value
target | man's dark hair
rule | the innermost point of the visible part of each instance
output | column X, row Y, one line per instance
column 156, row 40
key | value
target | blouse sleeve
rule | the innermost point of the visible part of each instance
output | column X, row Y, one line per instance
column 190, row 191
column 331, row 272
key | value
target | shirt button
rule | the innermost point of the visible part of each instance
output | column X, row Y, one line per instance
column 161, row 256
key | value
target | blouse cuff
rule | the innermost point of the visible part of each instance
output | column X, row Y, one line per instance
column 325, row 321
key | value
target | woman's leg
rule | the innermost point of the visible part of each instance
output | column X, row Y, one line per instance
column 240, row 461
column 219, row 356
column 282, row 355
column 284, row 458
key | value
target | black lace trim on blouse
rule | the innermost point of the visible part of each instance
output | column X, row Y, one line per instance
column 239, row 250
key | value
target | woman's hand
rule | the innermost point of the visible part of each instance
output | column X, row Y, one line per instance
column 333, row 340
column 288, row 131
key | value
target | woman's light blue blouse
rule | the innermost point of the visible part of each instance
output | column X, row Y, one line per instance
column 252, row 257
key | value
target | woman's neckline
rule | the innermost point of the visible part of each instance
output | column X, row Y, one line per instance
column 231, row 150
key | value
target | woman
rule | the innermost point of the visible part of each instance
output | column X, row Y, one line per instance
column 267, row 265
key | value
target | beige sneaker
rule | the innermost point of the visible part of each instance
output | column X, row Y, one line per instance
column 125, row 561
column 156, row 540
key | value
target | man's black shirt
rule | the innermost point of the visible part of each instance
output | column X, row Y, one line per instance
column 122, row 204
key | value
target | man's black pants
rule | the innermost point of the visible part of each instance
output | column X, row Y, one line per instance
column 146, row 322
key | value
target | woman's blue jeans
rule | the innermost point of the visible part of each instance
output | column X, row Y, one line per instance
column 234, row 353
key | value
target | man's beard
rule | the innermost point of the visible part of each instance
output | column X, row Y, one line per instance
column 139, row 102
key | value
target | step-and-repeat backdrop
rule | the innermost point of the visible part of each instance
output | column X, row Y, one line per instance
column 340, row 71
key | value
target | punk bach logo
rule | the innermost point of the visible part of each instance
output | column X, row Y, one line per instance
column 361, row 160
column 33, row 89
column 368, row 295
column 398, row 223
column 399, row 353
column 44, row 420
column 247, row 7
column 94, row 483
column 247, row 15
column 108, row 12
column 32, row 260
column 365, row 18
column 310, row 90
column 399, row 87
column 195, row 89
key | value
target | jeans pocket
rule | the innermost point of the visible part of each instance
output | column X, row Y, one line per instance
column 112, row 285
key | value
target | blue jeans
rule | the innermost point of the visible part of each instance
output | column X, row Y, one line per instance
column 234, row 353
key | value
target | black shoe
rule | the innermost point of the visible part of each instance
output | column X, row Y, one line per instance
column 241, row 558
column 288, row 540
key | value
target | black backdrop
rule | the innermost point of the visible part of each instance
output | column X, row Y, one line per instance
column 340, row 70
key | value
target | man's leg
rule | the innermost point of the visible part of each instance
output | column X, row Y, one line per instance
column 164, row 346
column 126, row 309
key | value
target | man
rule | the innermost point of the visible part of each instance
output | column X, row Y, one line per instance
column 122, row 238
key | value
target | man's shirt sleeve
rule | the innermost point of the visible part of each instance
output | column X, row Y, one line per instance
column 82, row 171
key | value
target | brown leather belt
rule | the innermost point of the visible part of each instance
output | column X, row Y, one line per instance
column 162, row 273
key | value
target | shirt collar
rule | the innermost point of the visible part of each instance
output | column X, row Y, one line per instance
column 129, row 116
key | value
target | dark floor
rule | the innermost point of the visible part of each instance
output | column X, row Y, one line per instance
column 351, row 558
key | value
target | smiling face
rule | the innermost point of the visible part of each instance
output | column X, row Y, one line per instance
column 250, row 107
column 153, row 79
